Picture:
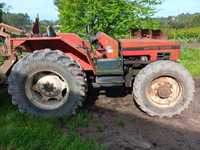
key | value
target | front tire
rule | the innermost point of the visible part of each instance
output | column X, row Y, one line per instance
column 163, row 88
column 47, row 83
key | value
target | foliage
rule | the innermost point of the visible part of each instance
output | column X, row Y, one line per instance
column 1, row 11
column 180, row 21
column 23, row 132
column 185, row 34
column 184, row 27
column 114, row 17
column 19, row 20
column 24, row 22
column 190, row 59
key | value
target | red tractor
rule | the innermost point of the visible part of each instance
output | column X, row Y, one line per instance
column 51, row 79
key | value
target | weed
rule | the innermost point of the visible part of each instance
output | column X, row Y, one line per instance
column 99, row 125
column 120, row 121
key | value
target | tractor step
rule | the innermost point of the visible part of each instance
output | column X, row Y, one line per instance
column 107, row 81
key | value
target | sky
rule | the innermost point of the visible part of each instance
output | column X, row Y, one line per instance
column 47, row 10
column 175, row 7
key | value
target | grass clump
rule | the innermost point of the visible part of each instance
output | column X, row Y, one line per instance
column 120, row 121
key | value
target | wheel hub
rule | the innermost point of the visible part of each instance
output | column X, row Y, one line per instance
column 164, row 92
column 50, row 86
column 47, row 90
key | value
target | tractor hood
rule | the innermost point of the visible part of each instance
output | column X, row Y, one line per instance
column 147, row 44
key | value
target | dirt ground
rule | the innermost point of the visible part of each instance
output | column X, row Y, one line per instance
column 120, row 125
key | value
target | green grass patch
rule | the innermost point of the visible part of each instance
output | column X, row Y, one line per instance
column 190, row 58
column 22, row 132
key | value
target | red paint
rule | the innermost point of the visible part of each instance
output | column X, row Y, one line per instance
column 69, row 43
column 175, row 54
column 149, row 47
column 131, row 43
column 109, row 48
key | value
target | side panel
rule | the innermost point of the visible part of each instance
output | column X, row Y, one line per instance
column 154, row 49
column 153, row 54
column 109, row 67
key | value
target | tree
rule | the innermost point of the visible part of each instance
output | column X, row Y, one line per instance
column 1, row 11
column 184, row 20
column 114, row 17
column 19, row 20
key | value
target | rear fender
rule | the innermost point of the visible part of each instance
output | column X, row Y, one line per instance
column 70, row 44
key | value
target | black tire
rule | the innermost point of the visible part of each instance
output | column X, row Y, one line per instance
column 156, row 70
column 58, row 62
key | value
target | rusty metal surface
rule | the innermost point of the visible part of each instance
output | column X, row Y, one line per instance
column 164, row 92
column 6, row 66
column 10, row 29
column 5, row 49
column 5, row 34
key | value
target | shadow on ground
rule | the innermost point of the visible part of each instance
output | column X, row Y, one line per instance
column 120, row 125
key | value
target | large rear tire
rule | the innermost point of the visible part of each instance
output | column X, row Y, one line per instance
column 163, row 88
column 47, row 83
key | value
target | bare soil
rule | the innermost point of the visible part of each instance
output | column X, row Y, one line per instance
column 120, row 125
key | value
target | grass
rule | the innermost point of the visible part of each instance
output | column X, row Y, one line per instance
column 99, row 125
column 23, row 132
column 190, row 58
column 120, row 121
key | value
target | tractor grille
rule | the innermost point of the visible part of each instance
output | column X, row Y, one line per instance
column 163, row 56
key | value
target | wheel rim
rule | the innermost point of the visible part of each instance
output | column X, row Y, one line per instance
column 164, row 92
column 47, row 89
